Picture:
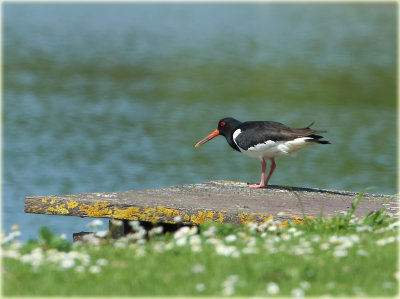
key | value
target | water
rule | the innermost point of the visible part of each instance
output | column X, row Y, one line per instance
column 108, row 97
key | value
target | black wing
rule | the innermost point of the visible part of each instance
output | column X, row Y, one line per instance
column 257, row 132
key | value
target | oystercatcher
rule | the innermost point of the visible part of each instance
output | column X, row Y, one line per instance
column 265, row 140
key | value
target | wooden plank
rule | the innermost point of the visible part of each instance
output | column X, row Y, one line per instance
column 218, row 201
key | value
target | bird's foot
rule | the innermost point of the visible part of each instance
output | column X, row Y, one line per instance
column 257, row 186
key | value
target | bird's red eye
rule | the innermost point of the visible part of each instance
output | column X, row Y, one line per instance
column 222, row 123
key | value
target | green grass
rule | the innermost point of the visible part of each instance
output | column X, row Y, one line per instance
column 339, row 256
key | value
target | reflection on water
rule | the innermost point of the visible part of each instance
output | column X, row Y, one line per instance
column 106, row 97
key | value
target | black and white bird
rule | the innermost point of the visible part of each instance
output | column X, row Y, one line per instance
column 264, row 140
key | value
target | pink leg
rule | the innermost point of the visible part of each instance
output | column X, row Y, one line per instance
column 262, row 182
column 273, row 166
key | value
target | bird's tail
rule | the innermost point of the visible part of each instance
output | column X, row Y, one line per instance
column 316, row 138
column 313, row 134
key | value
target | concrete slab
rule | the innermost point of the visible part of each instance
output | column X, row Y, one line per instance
column 219, row 201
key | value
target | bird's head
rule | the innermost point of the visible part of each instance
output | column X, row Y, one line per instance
column 226, row 126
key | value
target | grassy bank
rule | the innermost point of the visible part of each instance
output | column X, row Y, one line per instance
column 340, row 256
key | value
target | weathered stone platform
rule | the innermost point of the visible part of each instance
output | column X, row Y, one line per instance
column 219, row 201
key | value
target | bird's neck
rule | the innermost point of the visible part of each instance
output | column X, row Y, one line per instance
column 233, row 145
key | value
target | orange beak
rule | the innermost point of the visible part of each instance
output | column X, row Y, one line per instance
column 209, row 137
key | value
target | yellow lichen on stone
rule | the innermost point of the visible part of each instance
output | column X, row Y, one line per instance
column 298, row 221
column 58, row 210
column 98, row 210
column 186, row 217
column 34, row 209
column 131, row 213
column 210, row 215
column 52, row 202
column 296, row 217
column 199, row 218
column 72, row 204
column 168, row 212
column 44, row 200
column 135, row 213
column 284, row 223
column 245, row 218
column 265, row 219
column 149, row 214
column 220, row 218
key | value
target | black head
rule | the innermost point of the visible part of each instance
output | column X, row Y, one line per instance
column 226, row 127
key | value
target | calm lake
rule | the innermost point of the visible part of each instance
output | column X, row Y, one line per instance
column 112, row 97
